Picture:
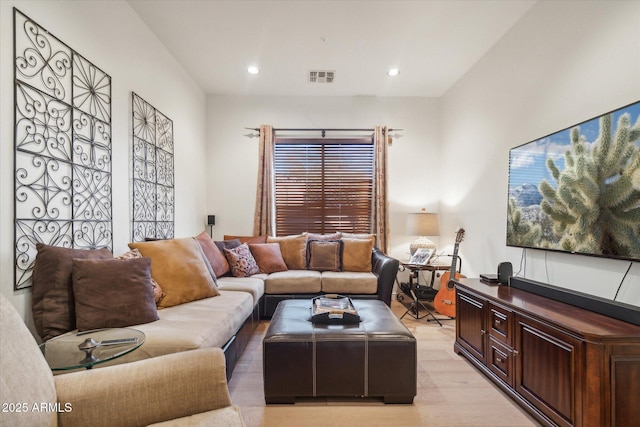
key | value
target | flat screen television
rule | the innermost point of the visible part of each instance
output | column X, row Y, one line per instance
column 578, row 190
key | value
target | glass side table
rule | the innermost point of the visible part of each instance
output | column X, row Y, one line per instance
column 88, row 348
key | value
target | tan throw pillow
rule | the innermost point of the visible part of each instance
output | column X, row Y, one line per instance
column 113, row 293
column 178, row 266
column 324, row 255
column 356, row 254
column 216, row 258
column 241, row 261
column 293, row 250
column 157, row 289
column 268, row 257
column 52, row 299
column 333, row 236
column 371, row 237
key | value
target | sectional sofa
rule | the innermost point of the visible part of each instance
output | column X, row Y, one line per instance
column 193, row 293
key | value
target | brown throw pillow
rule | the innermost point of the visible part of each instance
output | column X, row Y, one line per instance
column 248, row 239
column 113, row 293
column 293, row 248
column 268, row 257
column 356, row 254
column 241, row 261
column 216, row 258
column 324, row 255
column 157, row 289
column 52, row 300
column 179, row 267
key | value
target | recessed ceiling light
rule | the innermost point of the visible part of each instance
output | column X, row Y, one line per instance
column 393, row 72
column 253, row 69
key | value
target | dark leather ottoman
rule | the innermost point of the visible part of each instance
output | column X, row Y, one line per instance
column 375, row 358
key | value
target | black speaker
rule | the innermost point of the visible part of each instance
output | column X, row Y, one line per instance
column 211, row 220
column 505, row 270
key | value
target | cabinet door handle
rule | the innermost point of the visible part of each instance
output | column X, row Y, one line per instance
column 481, row 331
column 497, row 322
column 515, row 352
column 499, row 360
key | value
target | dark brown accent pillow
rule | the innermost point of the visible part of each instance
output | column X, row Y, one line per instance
column 113, row 293
column 52, row 300
column 215, row 257
column 227, row 244
column 324, row 255
column 248, row 239
column 268, row 257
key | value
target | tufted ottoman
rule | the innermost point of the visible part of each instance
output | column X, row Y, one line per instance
column 375, row 358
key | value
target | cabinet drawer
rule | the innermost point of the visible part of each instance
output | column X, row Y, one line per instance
column 500, row 361
column 501, row 324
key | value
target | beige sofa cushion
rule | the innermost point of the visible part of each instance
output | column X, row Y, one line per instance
column 293, row 281
column 208, row 322
column 253, row 285
column 349, row 282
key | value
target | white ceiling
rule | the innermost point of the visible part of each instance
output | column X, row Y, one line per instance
column 433, row 43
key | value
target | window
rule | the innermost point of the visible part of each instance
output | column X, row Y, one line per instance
column 323, row 185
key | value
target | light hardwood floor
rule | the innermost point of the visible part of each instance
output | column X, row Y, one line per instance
column 450, row 391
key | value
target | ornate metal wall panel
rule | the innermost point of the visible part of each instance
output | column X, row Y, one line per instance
column 62, row 147
column 153, row 187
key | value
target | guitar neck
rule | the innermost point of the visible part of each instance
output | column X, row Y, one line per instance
column 454, row 260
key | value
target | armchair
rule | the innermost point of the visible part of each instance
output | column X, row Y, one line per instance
column 186, row 388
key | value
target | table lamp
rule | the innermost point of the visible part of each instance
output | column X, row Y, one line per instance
column 422, row 224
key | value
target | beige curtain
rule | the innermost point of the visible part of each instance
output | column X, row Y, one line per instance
column 263, row 220
column 380, row 203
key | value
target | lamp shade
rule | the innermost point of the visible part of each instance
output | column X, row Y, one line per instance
column 423, row 224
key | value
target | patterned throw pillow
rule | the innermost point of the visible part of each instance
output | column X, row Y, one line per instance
column 241, row 261
column 158, row 294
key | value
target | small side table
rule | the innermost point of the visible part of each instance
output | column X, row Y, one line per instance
column 65, row 352
column 414, row 277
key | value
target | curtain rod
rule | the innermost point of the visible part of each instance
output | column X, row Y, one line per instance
column 323, row 129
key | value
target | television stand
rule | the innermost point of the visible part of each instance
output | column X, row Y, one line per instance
column 565, row 365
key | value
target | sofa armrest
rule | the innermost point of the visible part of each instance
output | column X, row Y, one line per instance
column 144, row 392
column 386, row 269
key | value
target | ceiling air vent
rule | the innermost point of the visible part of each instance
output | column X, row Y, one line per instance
column 317, row 76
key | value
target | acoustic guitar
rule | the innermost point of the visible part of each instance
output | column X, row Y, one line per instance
column 445, row 300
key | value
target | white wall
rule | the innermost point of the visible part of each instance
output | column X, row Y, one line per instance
column 112, row 36
column 563, row 63
column 233, row 157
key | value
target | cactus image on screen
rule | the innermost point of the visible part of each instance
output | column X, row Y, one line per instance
column 578, row 190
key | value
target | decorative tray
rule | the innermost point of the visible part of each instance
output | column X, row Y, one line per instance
column 333, row 309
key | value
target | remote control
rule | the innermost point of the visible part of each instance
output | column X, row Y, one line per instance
column 118, row 341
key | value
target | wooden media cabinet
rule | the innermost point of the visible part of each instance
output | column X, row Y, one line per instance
column 566, row 365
